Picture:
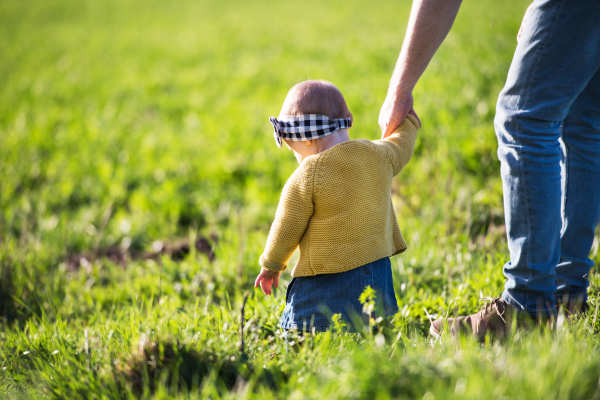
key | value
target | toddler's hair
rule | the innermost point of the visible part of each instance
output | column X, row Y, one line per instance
column 316, row 97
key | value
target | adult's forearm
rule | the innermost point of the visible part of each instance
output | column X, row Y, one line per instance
column 429, row 24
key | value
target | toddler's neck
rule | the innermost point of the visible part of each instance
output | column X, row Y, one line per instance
column 337, row 137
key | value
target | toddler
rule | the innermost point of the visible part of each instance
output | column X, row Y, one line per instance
column 337, row 208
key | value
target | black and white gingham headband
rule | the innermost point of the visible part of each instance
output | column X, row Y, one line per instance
column 306, row 127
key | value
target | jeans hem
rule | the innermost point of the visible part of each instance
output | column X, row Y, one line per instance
column 391, row 312
column 324, row 328
column 578, row 295
column 317, row 328
column 532, row 313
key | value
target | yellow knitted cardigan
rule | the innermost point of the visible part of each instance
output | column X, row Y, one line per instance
column 337, row 207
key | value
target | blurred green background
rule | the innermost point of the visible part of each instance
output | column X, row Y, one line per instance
column 159, row 110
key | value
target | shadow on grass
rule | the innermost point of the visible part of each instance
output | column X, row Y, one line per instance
column 7, row 307
column 11, row 308
column 182, row 368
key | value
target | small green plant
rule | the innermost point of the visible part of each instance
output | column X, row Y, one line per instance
column 367, row 299
column 338, row 323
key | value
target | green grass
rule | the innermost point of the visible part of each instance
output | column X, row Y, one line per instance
column 123, row 123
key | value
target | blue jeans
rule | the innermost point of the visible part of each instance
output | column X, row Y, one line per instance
column 548, row 128
column 310, row 301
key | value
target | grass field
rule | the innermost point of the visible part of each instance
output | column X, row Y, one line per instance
column 131, row 130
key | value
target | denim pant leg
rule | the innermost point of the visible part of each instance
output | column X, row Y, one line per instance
column 581, row 192
column 557, row 56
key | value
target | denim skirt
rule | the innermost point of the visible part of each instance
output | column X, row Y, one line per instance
column 310, row 301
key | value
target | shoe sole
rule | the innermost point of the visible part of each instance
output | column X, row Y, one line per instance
column 434, row 332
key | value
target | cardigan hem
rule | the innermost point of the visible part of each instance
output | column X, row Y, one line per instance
column 352, row 266
column 271, row 266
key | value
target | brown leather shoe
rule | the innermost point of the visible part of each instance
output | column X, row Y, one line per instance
column 495, row 319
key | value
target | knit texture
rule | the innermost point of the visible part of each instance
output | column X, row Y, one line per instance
column 337, row 207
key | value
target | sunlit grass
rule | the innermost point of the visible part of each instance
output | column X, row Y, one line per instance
column 126, row 125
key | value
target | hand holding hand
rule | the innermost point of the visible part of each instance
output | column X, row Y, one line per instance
column 267, row 278
column 393, row 112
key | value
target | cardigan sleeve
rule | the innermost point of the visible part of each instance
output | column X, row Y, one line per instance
column 291, row 219
column 399, row 145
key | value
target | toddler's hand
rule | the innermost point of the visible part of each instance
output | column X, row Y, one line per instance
column 267, row 278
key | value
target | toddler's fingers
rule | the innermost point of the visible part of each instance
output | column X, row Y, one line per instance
column 265, row 285
column 264, row 274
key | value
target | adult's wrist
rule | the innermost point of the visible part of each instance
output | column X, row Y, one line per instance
column 398, row 94
column 401, row 82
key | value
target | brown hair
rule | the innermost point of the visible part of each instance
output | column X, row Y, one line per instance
column 315, row 97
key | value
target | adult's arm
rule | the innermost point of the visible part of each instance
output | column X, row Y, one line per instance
column 429, row 23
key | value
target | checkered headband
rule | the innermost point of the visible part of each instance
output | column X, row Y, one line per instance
column 306, row 127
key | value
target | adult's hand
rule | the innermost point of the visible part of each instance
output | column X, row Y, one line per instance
column 393, row 112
